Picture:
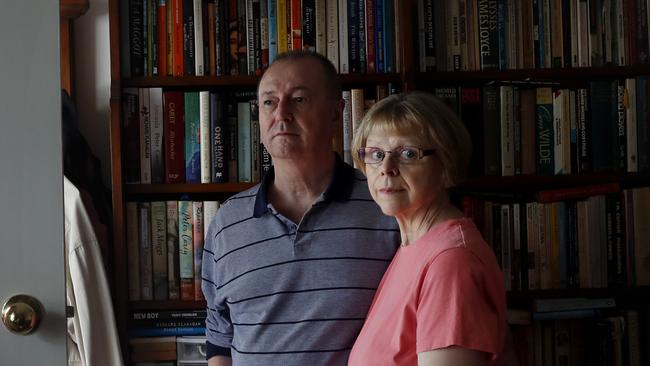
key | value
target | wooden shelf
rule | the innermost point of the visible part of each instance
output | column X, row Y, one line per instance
column 622, row 294
column 70, row 9
column 241, row 81
column 531, row 75
column 168, row 305
column 145, row 189
column 535, row 182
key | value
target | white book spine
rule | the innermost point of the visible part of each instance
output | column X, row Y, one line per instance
column 199, row 62
column 321, row 27
column 333, row 33
column 347, row 127
column 156, row 119
column 344, row 62
column 558, row 111
column 204, row 136
column 210, row 209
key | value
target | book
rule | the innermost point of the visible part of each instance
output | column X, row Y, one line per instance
column 192, row 138
column 157, row 142
column 197, row 240
column 145, row 136
column 219, row 170
column 159, row 249
column 131, row 131
column 544, row 131
column 166, row 331
column 173, row 274
column 573, row 303
column 133, row 250
column 145, row 252
column 564, row 194
column 186, row 249
column 205, row 147
column 174, row 135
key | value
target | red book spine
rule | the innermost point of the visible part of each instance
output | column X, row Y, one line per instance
column 178, row 37
column 296, row 25
column 174, row 131
column 565, row 194
column 370, row 37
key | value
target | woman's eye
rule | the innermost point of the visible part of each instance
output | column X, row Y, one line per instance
column 409, row 154
column 377, row 155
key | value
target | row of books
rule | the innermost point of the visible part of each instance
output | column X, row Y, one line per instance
column 159, row 349
column 506, row 34
column 192, row 137
column 242, row 37
column 527, row 129
column 165, row 248
column 210, row 137
column 568, row 240
column 589, row 335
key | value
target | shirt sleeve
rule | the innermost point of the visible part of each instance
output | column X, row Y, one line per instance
column 461, row 303
column 219, row 329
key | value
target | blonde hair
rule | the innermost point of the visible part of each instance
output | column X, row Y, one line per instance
column 430, row 121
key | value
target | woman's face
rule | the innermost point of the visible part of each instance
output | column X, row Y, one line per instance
column 403, row 188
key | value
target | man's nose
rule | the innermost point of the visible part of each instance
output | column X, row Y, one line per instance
column 284, row 112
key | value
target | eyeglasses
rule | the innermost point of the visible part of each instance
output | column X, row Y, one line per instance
column 405, row 154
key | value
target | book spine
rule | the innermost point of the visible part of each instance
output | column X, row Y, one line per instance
column 264, row 36
column 166, row 315
column 146, row 36
column 192, row 138
column 217, row 140
column 205, row 148
column 491, row 128
column 167, row 331
column 488, row 34
column 162, row 37
column 320, row 21
column 544, row 131
column 136, row 29
column 347, row 127
column 272, row 7
column 159, row 249
column 179, row 43
column 232, row 139
column 145, row 137
column 379, row 37
column 353, row 36
column 389, row 36
column 146, row 270
column 133, row 250
column 214, row 40
column 642, row 123
column 603, row 105
column 244, row 153
column 344, row 60
column 621, row 141
column 629, row 102
column 332, row 32
column 232, row 47
column 186, row 250
column 308, row 25
column 169, row 38
column 157, row 127
column 584, row 132
column 507, row 127
column 371, row 47
column 189, row 66
column 197, row 240
column 363, row 55
column 174, row 135
column 199, row 65
column 131, row 130
column 173, row 274
column 283, row 45
column 242, row 40
column 256, row 153
column 296, row 24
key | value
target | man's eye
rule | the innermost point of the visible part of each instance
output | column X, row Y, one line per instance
column 268, row 103
column 299, row 99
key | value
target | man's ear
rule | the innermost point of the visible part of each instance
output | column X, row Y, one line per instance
column 340, row 106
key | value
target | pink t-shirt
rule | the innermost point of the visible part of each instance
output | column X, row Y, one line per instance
column 445, row 289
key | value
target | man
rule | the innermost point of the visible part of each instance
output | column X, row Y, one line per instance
column 290, row 266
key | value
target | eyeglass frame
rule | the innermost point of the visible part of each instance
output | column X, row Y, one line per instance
column 361, row 153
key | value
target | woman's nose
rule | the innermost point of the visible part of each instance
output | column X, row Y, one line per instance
column 389, row 166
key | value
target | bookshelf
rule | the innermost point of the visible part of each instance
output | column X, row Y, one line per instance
column 522, row 75
column 226, row 84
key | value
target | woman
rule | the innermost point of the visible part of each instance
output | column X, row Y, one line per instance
column 442, row 299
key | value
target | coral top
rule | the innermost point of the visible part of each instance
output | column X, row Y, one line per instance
column 445, row 289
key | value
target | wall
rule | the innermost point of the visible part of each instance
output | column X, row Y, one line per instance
column 93, row 81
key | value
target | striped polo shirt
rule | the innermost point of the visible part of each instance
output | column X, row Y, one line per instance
column 281, row 293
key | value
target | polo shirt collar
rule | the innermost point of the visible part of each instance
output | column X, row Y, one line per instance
column 339, row 189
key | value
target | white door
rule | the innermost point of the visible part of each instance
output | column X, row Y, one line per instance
column 31, row 187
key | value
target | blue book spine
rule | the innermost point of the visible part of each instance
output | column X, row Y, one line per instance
column 379, row 36
column 502, row 15
column 192, row 138
column 389, row 36
column 167, row 331
column 273, row 30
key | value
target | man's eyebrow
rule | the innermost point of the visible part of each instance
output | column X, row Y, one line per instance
column 297, row 88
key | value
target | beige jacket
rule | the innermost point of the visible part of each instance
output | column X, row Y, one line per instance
column 92, row 334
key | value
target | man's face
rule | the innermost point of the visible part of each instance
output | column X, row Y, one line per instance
column 297, row 115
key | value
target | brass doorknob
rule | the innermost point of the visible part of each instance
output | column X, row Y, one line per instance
column 21, row 314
